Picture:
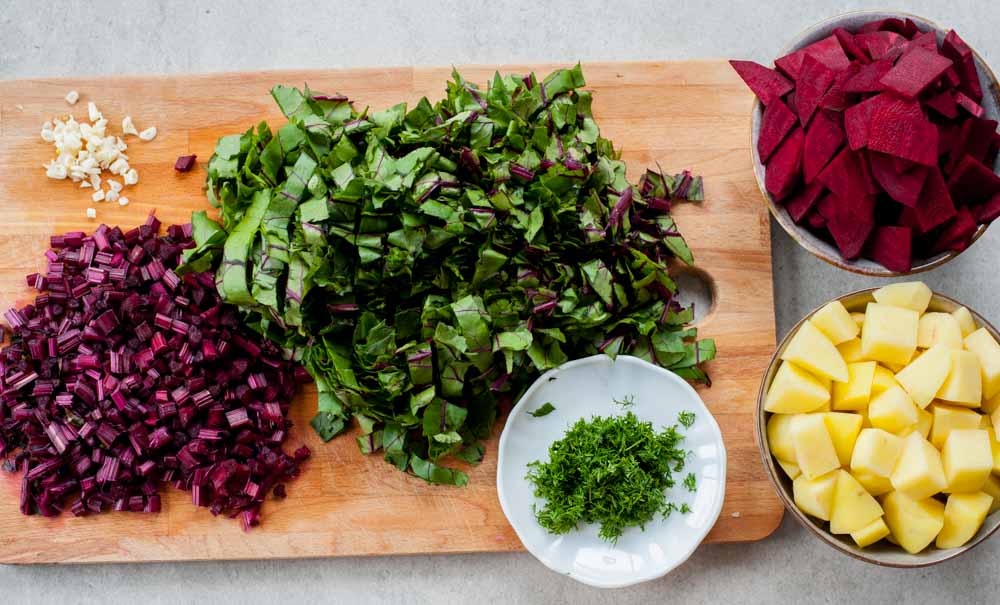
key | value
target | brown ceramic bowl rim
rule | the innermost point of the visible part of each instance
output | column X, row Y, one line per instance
column 804, row 520
column 791, row 228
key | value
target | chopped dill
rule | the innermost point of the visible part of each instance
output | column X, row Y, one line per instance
column 686, row 418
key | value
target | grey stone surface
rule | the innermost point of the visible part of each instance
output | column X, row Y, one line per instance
column 137, row 37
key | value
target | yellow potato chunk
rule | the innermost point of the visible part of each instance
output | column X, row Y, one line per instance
column 883, row 380
column 909, row 295
column 855, row 393
column 859, row 318
column 919, row 472
column 965, row 321
column 963, row 516
column 835, row 322
column 967, row 459
column 779, row 436
column 923, row 377
column 791, row 469
column 871, row 533
column 994, row 447
column 913, row 523
column 814, row 451
column 889, row 334
column 990, row 405
column 982, row 343
column 843, row 429
column 794, row 391
column 876, row 452
column 939, row 328
column 812, row 350
column 853, row 506
column 948, row 418
column 815, row 496
column 964, row 385
column 875, row 485
column 851, row 351
column 893, row 411
column 992, row 487
column 923, row 426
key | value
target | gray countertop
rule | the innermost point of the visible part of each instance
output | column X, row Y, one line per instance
column 97, row 37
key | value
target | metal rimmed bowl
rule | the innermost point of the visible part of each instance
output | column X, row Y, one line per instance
column 817, row 246
column 881, row 553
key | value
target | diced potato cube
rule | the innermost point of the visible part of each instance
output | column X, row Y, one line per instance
column 991, row 405
column 835, row 322
column 994, row 447
column 883, row 380
column 913, row 523
column 779, row 436
column 948, row 418
column 924, row 422
column 876, row 452
column 919, row 472
column 939, row 328
column 871, row 533
column 875, row 485
column 964, row 385
column 791, row 469
column 855, row 393
column 853, row 506
column 965, row 321
column 814, row 451
column 851, row 351
column 844, row 429
column 992, row 487
column 967, row 459
column 794, row 391
column 963, row 516
column 923, row 378
column 859, row 318
column 889, row 334
column 815, row 496
column 893, row 411
column 909, row 295
column 982, row 343
column 812, row 350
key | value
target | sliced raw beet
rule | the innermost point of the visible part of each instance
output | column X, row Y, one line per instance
column 951, row 78
column 857, row 121
column 915, row 71
column 975, row 138
column 777, row 122
column 944, row 104
column 835, row 98
column 846, row 39
column 958, row 234
column 926, row 40
column 969, row 105
column 935, row 205
column 904, row 186
column 848, row 175
column 988, row 211
column 972, row 182
column 889, row 24
column 880, row 44
column 814, row 80
column 816, row 220
column 784, row 170
column 799, row 205
column 869, row 77
column 828, row 51
column 766, row 83
column 947, row 136
column 898, row 127
column 827, row 206
column 852, row 222
column 824, row 136
column 892, row 247
column 965, row 65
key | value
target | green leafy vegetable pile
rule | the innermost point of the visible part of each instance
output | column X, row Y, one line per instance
column 426, row 263
column 611, row 471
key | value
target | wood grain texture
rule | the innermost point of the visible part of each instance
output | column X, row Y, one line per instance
column 680, row 115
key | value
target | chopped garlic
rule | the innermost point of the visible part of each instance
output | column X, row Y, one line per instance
column 128, row 127
column 98, row 195
column 55, row 171
column 72, row 97
column 114, row 185
column 123, row 201
column 92, row 111
column 91, row 213
column 119, row 166
column 131, row 177
column 84, row 184
column 149, row 134
column 111, row 196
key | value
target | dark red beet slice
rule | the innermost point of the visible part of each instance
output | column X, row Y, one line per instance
column 975, row 138
column 869, row 77
column 902, row 186
column 958, row 234
column 898, row 127
column 766, row 83
column 824, row 136
column 890, row 24
column 846, row 39
column 926, row 40
column 944, row 104
column 816, row 220
column 935, row 205
column 892, row 247
column 827, row 206
column 965, row 64
column 784, row 170
column 915, row 71
column 966, row 103
column 835, row 98
column 799, row 205
column 857, row 121
column 951, row 77
column 989, row 211
column 828, row 51
column 814, row 80
column 848, row 176
column 972, row 182
column 947, row 136
column 880, row 44
column 777, row 122
column 851, row 224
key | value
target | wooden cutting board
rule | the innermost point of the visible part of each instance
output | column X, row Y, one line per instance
column 681, row 115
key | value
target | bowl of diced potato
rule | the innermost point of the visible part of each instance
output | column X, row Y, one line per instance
column 877, row 421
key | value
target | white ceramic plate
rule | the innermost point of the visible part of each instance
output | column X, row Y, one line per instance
column 585, row 388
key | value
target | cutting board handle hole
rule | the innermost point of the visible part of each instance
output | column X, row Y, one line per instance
column 696, row 287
